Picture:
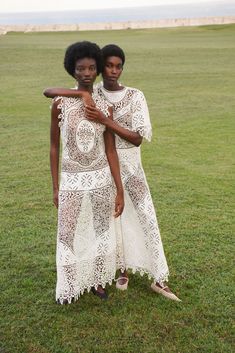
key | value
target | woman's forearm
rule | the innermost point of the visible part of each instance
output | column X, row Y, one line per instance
column 70, row 93
column 63, row 92
column 115, row 170
column 113, row 160
column 130, row 136
column 54, row 164
column 54, row 145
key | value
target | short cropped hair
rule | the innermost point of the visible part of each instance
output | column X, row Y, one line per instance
column 113, row 50
column 81, row 50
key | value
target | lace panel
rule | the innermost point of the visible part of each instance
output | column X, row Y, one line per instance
column 149, row 234
column 130, row 111
column 86, row 247
column 140, row 116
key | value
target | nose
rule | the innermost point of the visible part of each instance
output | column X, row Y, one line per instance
column 114, row 70
column 87, row 72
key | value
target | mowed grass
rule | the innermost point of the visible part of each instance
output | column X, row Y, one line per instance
column 188, row 77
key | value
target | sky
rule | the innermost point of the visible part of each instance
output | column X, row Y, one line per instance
column 61, row 5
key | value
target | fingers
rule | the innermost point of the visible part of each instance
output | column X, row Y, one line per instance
column 89, row 117
column 90, row 103
column 55, row 201
column 117, row 213
column 90, row 108
column 118, row 209
column 90, row 112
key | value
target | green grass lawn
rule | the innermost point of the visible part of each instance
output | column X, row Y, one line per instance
column 188, row 77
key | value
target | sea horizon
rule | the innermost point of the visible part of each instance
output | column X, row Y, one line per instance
column 147, row 13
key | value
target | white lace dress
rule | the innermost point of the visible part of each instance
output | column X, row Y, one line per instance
column 141, row 240
column 86, row 238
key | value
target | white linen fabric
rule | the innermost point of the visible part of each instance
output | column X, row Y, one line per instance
column 86, row 237
column 141, row 240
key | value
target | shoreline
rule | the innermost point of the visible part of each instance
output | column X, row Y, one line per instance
column 166, row 23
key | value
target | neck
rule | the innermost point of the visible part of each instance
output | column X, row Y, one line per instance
column 112, row 86
column 85, row 88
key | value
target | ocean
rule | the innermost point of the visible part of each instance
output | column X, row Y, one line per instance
column 193, row 10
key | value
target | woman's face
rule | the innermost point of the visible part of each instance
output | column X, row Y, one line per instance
column 85, row 72
column 112, row 69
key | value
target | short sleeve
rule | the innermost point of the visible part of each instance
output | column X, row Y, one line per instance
column 140, row 116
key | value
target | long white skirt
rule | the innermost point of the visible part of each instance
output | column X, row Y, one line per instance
column 86, row 242
column 141, row 240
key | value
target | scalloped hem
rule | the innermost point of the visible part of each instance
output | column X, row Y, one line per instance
column 74, row 297
column 142, row 271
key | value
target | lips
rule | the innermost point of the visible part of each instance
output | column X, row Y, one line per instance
column 87, row 80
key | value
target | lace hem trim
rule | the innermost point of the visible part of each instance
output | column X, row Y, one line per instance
column 142, row 271
column 73, row 297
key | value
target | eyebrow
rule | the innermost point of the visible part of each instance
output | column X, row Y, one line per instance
column 81, row 66
column 110, row 62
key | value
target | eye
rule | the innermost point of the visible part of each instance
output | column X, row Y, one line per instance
column 79, row 68
column 93, row 68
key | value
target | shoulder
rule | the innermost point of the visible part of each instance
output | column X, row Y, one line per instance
column 136, row 94
column 97, row 85
column 135, row 91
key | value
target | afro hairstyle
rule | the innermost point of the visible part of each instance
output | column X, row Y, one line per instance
column 113, row 50
column 81, row 50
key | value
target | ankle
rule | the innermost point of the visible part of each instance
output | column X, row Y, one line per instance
column 124, row 274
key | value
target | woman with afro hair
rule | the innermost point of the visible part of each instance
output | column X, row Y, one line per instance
column 87, row 203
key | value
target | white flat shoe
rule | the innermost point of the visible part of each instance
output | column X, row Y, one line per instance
column 162, row 291
column 120, row 285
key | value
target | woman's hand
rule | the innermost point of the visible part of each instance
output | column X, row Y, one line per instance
column 55, row 198
column 119, row 204
column 94, row 114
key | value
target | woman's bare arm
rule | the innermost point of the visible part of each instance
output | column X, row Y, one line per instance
column 54, row 151
column 112, row 156
column 66, row 92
